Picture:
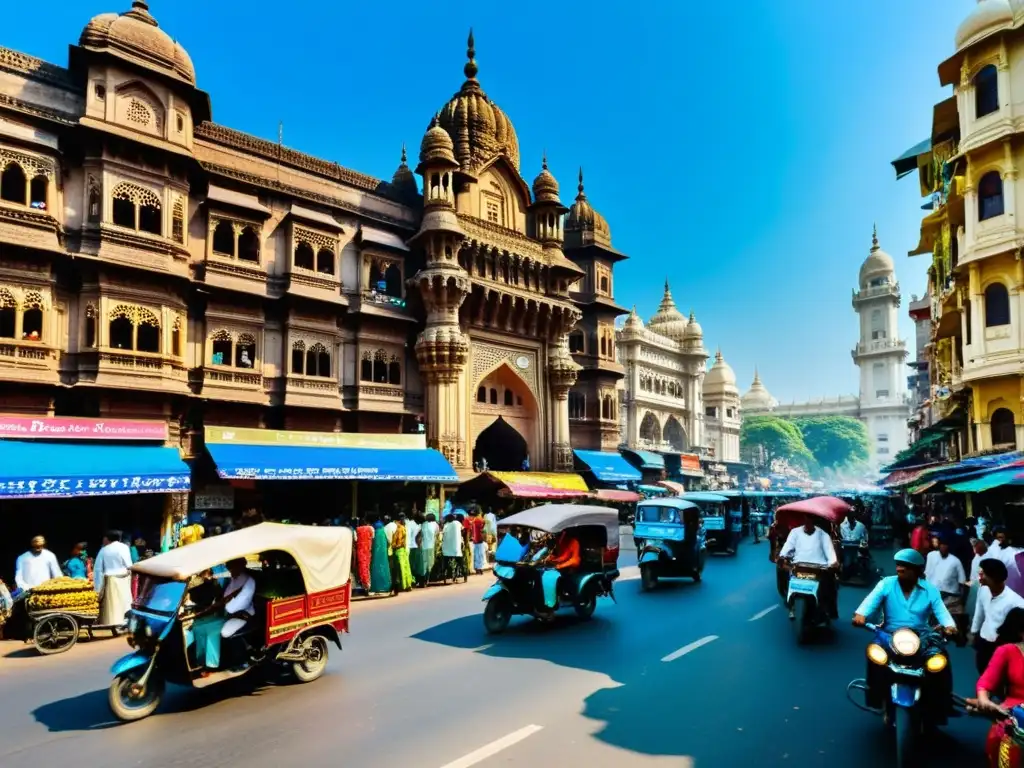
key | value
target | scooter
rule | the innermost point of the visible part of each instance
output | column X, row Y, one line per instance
column 802, row 599
column 908, row 662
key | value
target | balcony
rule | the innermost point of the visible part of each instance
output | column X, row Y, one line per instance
column 30, row 228
column 876, row 291
column 312, row 392
column 127, row 369
column 234, row 385
column 879, row 347
column 315, row 285
column 28, row 361
column 383, row 398
column 234, row 274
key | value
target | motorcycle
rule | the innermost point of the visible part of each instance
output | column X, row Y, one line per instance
column 802, row 598
column 861, row 569
column 911, row 677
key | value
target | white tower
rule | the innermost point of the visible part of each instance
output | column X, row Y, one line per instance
column 722, row 420
column 880, row 354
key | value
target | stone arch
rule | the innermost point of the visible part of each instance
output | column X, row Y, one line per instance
column 502, row 447
column 502, row 392
column 674, row 434
column 650, row 428
column 503, row 364
column 138, row 107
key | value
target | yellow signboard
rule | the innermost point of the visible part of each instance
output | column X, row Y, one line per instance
column 247, row 436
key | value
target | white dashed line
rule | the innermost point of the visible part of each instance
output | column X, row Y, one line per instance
column 691, row 647
column 762, row 614
column 494, row 747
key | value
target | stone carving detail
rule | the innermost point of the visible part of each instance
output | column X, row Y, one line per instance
column 137, row 315
column 315, row 238
column 23, row 298
column 138, row 112
column 31, row 165
column 36, row 69
column 561, row 457
column 138, row 195
column 486, row 357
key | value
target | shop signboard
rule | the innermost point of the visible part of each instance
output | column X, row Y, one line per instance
column 16, row 427
column 249, row 436
column 215, row 497
column 57, row 486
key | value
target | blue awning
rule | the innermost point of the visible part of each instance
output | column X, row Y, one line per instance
column 646, row 459
column 995, row 479
column 294, row 462
column 608, row 467
column 30, row 469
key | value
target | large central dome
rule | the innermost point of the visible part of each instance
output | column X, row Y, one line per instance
column 478, row 128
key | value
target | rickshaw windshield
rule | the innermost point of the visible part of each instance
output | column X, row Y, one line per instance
column 655, row 514
column 521, row 544
column 160, row 596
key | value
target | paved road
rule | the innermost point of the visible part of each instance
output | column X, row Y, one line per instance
column 692, row 675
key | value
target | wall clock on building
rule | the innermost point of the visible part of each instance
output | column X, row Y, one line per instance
column 522, row 362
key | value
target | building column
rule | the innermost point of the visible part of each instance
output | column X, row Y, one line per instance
column 562, row 374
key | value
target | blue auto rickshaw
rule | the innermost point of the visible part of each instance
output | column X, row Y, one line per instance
column 723, row 521
column 670, row 540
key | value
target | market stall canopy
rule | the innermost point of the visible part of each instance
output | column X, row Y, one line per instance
column 276, row 455
column 33, row 469
column 644, row 459
column 673, row 487
column 607, row 467
column 990, row 480
column 527, row 485
column 617, row 497
column 323, row 553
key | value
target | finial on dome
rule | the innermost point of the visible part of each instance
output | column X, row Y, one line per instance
column 718, row 355
column 580, row 187
column 544, row 161
column 405, row 158
column 141, row 5
column 693, row 317
column 666, row 285
column 471, row 68
column 874, row 237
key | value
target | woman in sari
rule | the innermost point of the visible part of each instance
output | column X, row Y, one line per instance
column 467, row 545
column 380, row 567
column 403, row 573
column 364, row 553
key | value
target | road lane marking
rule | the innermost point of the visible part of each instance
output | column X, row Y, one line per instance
column 691, row 647
column 762, row 614
column 489, row 750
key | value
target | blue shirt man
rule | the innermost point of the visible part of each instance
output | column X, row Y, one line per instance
column 906, row 600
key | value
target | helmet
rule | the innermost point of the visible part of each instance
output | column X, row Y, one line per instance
column 910, row 557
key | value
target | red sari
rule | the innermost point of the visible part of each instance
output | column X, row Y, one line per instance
column 364, row 548
column 1004, row 675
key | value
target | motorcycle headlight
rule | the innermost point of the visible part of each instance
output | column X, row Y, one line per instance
column 906, row 642
column 877, row 655
column 936, row 663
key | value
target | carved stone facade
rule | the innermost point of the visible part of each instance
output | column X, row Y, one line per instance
column 153, row 263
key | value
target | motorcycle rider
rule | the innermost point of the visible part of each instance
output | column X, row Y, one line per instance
column 854, row 535
column 810, row 544
column 907, row 601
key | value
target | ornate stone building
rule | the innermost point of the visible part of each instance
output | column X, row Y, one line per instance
column 156, row 264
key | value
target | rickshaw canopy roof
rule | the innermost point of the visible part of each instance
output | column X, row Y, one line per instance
column 323, row 554
column 555, row 518
column 708, row 498
column 671, row 501
column 828, row 508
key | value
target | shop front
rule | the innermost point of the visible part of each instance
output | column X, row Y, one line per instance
column 651, row 465
column 606, row 470
column 332, row 476
column 72, row 479
column 508, row 492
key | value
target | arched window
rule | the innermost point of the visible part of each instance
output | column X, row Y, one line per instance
column 986, row 91
column 494, row 396
column 394, row 371
column 393, row 281
column 304, row 258
column 8, row 314
column 325, row 261
column 481, row 394
column 299, row 357
column 604, row 346
column 1002, row 425
column 604, row 284
column 37, row 192
column 249, row 245
column 224, row 238
column 245, row 351
column 997, row 305
column 509, row 397
column 147, row 333
column 380, row 367
column 221, row 348
column 318, row 361
column 366, row 367
column 178, row 221
column 124, row 212
column 12, row 184
column 990, row 196
column 150, row 218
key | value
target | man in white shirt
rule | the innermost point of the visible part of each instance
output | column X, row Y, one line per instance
column 451, row 547
column 112, row 580
column 809, row 544
column 412, row 547
column 428, row 545
column 238, row 598
column 854, row 534
column 995, row 600
column 389, row 530
column 946, row 573
column 36, row 566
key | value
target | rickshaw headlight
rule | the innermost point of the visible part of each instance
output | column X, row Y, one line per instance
column 936, row 663
column 877, row 655
column 906, row 642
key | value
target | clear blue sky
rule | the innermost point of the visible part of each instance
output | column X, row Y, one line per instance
column 742, row 149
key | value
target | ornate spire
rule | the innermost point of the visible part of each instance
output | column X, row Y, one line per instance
column 874, row 237
column 544, row 160
column 693, row 317
column 579, row 189
column 471, row 68
column 757, row 378
column 667, row 303
column 405, row 158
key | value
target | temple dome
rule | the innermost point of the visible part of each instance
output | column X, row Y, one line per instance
column 720, row 379
column 582, row 218
column 986, row 18
column 877, row 264
column 136, row 37
column 478, row 128
column 633, row 321
column 403, row 181
column 545, row 186
column 757, row 398
column 668, row 321
column 693, row 329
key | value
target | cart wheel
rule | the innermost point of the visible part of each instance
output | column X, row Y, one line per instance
column 55, row 634
column 314, row 648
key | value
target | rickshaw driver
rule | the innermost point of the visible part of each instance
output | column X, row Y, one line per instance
column 810, row 544
column 566, row 555
column 237, row 603
column 853, row 532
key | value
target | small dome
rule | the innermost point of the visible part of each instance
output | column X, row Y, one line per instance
column 693, row 329
column 668, row 321
column 633, row 321
column 437, row 147
column 757, row 398
column 403, row 180
column 135, row 36
column 477, row 126
column 720, row 379
column 545, row 186
column 585, row 220
column 987, row 17
column 877, row 264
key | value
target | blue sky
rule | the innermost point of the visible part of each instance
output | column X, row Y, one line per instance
column 740, row 149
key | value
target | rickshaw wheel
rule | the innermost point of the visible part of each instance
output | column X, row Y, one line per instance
column 800, row 621
column 315, row 649
column 648, row 578
column 55, row 634
column 586, row 603
column 498, row 613
column 127, row 707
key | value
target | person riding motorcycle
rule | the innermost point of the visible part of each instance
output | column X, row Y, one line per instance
column 810, row 544
column 907, row 601
column 854, row 535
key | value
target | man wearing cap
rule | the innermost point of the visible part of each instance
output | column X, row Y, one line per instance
column 906, row 601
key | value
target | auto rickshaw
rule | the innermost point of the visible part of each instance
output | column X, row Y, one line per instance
column 670, row 540
column 723, row 521
column 301, row 605
column 799, row 583
column 532, row 542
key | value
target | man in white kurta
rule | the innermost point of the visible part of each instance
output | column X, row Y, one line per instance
column 810, row 544
column 112, row 580
column 36, row 566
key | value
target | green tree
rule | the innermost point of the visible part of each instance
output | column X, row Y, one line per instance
column 835, row 441
column 774, row 438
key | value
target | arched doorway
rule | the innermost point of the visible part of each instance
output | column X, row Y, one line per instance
column 675, row 435
column 1003, row 427
column 501, row 446
column 650, row 429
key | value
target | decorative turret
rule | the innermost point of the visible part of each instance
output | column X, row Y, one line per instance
column 403, row 181
column 668, row 321
column 547, row 209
